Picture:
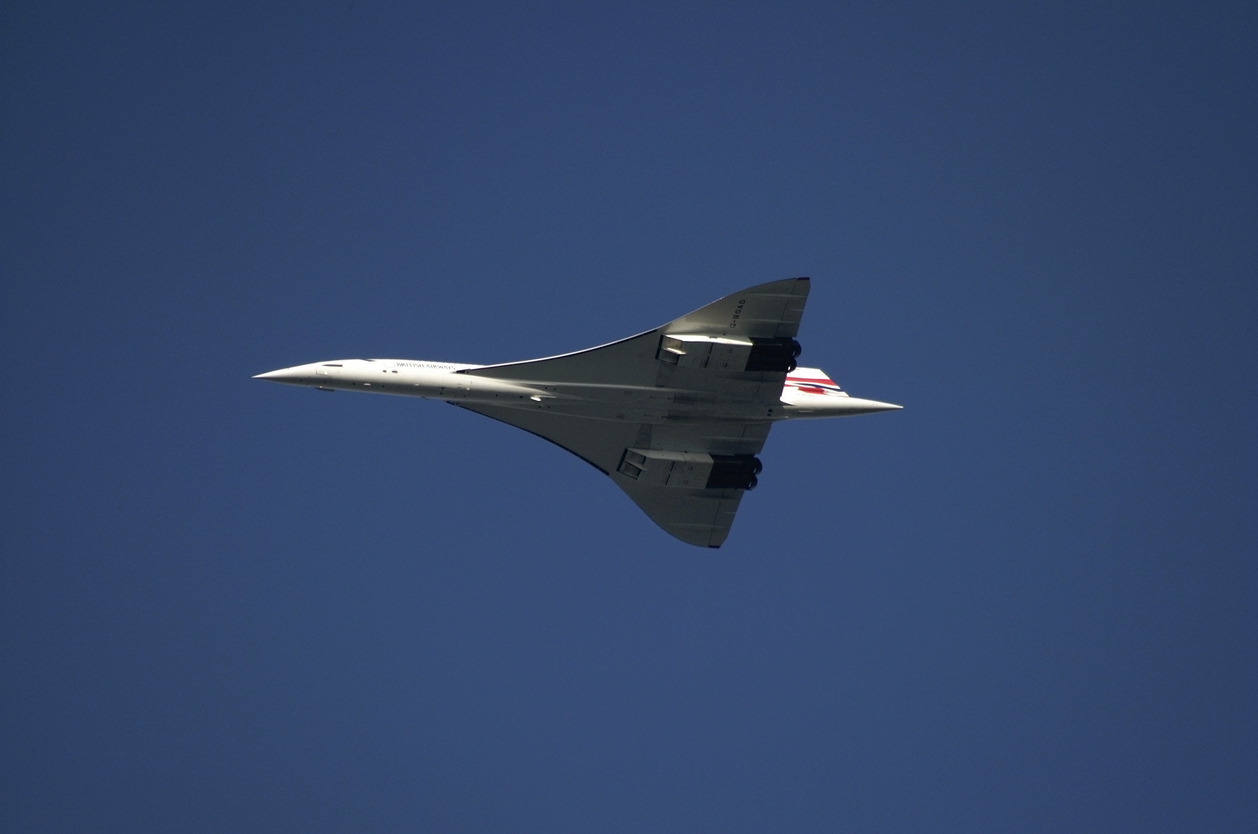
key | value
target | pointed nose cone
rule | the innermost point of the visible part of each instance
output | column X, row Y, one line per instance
column 285, row 374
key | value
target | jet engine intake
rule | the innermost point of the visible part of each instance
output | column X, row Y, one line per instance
column 773, row 355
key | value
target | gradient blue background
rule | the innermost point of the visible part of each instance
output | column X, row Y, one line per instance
column 1025, row 603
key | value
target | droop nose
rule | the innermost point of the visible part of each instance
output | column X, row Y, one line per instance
column 286, row 374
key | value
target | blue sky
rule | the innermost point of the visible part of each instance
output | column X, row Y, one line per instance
column 1026, row 602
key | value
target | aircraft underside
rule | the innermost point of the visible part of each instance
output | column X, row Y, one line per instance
column 675, row 416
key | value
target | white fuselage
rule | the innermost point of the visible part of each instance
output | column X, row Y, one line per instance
column 807, row 393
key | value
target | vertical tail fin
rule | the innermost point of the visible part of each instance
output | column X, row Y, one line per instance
column 811, row 381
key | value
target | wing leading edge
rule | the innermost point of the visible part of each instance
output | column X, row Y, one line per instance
column 686, row 470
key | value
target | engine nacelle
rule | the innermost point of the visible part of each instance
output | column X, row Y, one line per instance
column 690, row 470
column 776, row 355
column 722, row 353
column 715, row 353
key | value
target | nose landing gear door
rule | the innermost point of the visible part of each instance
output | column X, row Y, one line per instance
column 327, row 374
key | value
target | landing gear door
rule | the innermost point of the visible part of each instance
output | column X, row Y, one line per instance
column 327, row 373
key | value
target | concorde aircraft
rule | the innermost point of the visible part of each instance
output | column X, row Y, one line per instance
column 674, row 416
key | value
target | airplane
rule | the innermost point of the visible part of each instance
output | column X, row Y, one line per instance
column 674, row 416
